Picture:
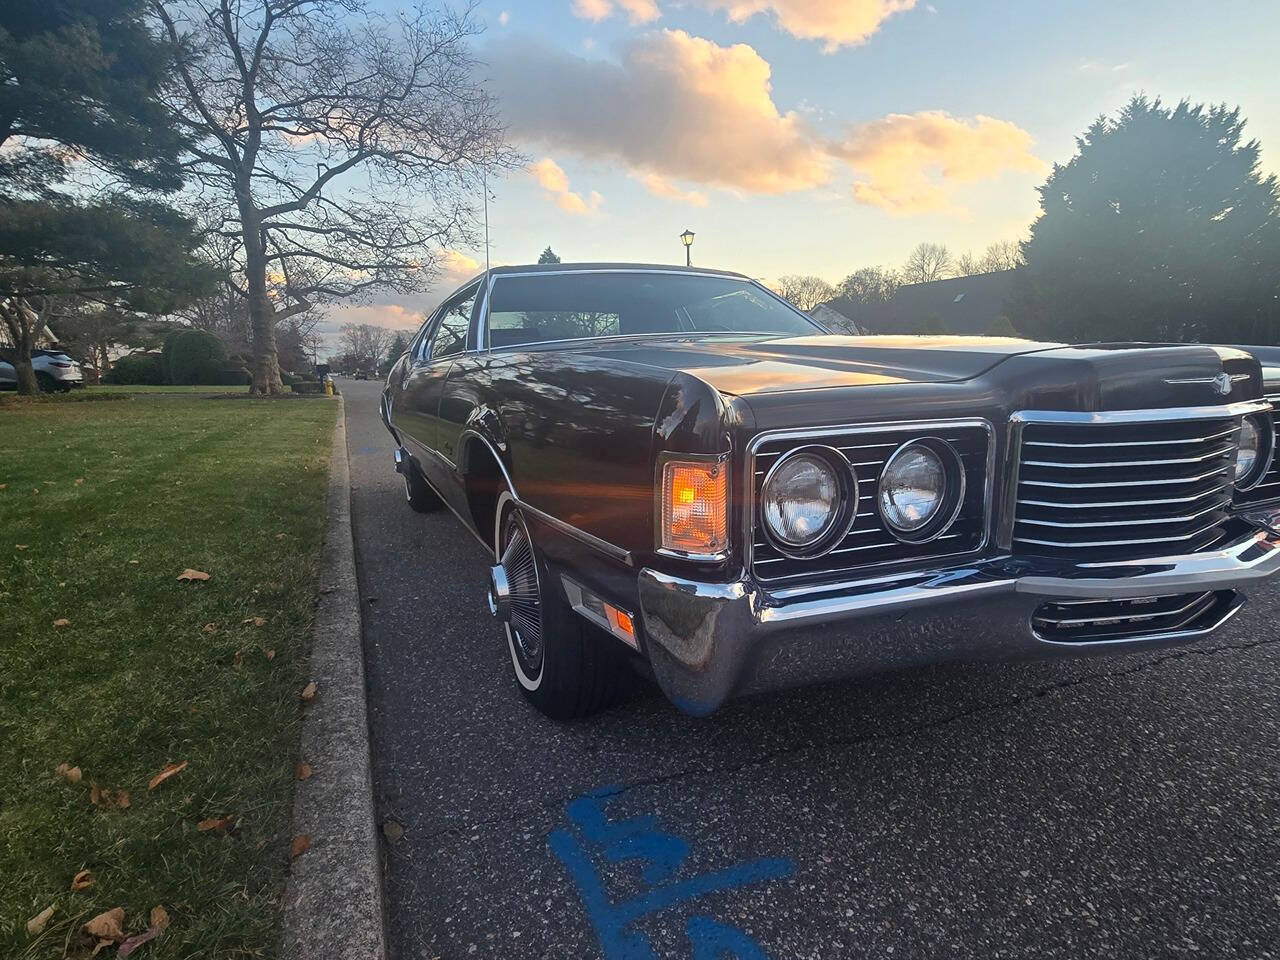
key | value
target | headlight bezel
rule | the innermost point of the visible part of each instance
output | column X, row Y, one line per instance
column 950, row 501
column 843, row 517
column 1266, row 451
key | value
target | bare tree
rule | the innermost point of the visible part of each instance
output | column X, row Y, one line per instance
column 23, row 326
column 870, row 285
column 365, row 342
column 805, row 290
column 967, row 265
column 927, row 262
column 1002, row 255
column 339, row 147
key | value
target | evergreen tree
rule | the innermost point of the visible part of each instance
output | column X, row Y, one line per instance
column 548, row 256
column 1161, row 228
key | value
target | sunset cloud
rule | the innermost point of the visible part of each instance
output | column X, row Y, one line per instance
column 637, row 11
column 910, row 163
column 838, row 23
column 556, row 182
column 674, row 105
column 662, row 187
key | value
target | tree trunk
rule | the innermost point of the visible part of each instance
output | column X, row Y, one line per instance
column 21, row 323
column 266, row 363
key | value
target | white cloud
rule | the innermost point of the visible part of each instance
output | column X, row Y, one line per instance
column 556, row 182
column 910, row 163
column 504, row 18
column 662, row 187
column 837, row 23
column 680, row 108
column 675, row 105
column 637, row 11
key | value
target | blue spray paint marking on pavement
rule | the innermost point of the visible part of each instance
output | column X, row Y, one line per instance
column 660, row 855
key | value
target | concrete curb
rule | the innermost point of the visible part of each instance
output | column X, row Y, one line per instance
column 333, row 904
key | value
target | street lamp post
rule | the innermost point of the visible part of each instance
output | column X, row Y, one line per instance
column 687, row 239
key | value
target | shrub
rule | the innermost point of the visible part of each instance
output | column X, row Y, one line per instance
column 230, row 373
column 134, row 369
column 194, row 356
column 307, row 386
column 288, row 379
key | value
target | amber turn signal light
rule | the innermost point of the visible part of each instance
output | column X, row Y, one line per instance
column 695, row 507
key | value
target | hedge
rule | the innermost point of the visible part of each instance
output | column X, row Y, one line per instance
column 193, row 357
column 135, row 369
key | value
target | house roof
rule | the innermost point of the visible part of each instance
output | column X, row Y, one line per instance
column 965, row 305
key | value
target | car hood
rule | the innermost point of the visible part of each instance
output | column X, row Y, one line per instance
column 752, row 365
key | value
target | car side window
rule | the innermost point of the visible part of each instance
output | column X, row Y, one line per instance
column 450, row 335
column 415, row 345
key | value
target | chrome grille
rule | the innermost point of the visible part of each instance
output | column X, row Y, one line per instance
column 869, row 542
column 1268, row 488
column 1117, row 489
column 1092, row 621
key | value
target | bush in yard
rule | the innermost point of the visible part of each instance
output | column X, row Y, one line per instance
column 134, row 369
column 193, row 356
column 230, row 374
column 289, row 379
column 307, row 386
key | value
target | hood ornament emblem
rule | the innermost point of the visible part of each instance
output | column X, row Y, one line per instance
column 1222, row 383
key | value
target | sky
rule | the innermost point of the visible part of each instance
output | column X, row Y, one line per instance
column 819, row 136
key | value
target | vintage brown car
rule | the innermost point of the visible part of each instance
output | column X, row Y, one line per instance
column 678, row 473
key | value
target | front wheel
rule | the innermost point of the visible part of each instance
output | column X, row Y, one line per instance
column 565, row 666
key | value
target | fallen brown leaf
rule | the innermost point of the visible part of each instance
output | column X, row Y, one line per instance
column 81, row 881
column 21, row 546
column 269, row 654
column 67, row 772
column 62, row 622
column 210, row 628
column 3, row 485
column 102, row 945
column 301, row 844
column 309, row 691
column 79, row 480
column 108, row 799
column 159, row 918
column 36, row 925
column 216, row 824
column 303, row 772
column 172, row 770
column 136, row 562
column 281, row 536
column 189, row 574
column 256, row 621
column 137, row 940
column 108, row 925
column 238, row 659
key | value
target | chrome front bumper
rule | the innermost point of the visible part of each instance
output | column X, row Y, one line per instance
column 708, row 641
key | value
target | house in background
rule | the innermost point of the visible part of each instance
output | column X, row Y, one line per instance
column 968, row 306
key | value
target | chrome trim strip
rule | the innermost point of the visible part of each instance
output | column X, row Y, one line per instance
column 591, row 540
column 470, row 432
column 574, row 591
column 1120, row 618
column 1128, row 443
column 1119, row 543
column 1095, row 465
column 1221, row 505
column 749, row 475
column 1158, row 415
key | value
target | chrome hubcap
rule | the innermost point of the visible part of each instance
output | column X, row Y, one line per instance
column 523, row 598
column 499, row 593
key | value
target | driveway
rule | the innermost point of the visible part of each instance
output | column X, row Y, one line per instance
column 1114, row 808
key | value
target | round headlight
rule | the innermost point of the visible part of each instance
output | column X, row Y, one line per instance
column 920, row 489
column 1253, row 455
column 805, row 499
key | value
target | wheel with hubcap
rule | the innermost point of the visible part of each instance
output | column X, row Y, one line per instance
column 565, row 666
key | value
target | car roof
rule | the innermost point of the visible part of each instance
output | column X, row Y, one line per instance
column 588, row 267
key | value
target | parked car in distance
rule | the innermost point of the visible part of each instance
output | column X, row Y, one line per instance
column 54, row 371
column 677, row 472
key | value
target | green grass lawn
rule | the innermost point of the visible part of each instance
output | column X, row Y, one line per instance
column 110, row 502
column 161, row 388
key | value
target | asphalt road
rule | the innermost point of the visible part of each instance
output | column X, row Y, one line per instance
column 1124, row 807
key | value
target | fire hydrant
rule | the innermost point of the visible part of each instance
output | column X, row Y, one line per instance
column 328, row 386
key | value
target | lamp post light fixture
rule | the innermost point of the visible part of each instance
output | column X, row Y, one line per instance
column 687, row 239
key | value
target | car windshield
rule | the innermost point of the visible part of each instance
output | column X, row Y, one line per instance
column 536, row 308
